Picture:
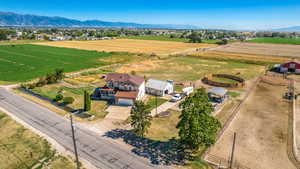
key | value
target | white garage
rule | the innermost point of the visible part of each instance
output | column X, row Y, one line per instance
column 125, row 102
column 126, row 98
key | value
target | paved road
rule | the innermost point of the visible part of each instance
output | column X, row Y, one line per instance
column 97, row 150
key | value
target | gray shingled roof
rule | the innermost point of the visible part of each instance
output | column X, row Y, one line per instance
column 218, row 91
column 156, row 84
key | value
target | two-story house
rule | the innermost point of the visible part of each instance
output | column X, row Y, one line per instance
column 124, row 89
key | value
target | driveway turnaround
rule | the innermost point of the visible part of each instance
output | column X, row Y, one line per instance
column 97, row 150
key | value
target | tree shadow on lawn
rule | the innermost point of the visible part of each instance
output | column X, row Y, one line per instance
column 158, row 152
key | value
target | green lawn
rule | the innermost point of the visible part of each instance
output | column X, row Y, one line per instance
column 21, row 149
column 167, row 38
column 223, row 80
column 276, row 40
column 50, row 91
column 24, row 62
column 152, row 101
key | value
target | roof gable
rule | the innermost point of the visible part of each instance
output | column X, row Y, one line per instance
column 121, row 77
column 156, row 84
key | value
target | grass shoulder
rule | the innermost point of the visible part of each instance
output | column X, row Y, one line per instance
column 20, row 148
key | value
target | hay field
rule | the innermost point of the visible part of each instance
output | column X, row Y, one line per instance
column 283, row 50
column 129, row 45
column 261, row 126
column 182, row 69
column 241, row 57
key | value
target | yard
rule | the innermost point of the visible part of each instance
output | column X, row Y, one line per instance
column 152, row 101
column 20, row 148
column 20, row 63
column 50, row 91
column 164, row 128
column 129, row 45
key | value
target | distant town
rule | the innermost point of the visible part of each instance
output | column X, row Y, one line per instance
column 58, row 34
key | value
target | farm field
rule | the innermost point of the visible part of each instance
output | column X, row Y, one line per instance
column 258, row 145
column 24, row 62
column 283, row 50
column 15, row 42
column 167, row 38
column 20, row 148
column 276, row 40
column 240, row 57
column 129, row 45
column 184, row 69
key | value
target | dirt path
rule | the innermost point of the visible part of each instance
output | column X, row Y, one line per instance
column 297, row 122
column 261, row 127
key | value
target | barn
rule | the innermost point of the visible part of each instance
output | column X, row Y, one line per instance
column 290, row 66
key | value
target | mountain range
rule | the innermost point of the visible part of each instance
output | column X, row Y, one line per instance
column 14, row 19
column 289, row 29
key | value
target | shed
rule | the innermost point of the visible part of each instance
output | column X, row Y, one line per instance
column 217, row 94
column 159, row 87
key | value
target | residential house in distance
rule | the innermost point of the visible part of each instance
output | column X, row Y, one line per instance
column 123, row 89
column 158, row 87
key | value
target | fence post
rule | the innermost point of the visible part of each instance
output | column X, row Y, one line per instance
column 232, row 152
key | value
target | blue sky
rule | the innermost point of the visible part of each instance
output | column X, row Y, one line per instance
column 228, row 14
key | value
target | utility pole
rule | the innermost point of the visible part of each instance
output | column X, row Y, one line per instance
column 74, row 142
column 156, row 104
column 232, row 151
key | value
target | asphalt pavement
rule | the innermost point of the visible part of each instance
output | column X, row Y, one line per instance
column 99, row 151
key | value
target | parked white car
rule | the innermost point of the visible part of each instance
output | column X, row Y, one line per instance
column 176, row 98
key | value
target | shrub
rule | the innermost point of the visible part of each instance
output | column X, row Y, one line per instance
column 42, row 81
column 58, row 97
column 68, row 100
column 31, row 86
column 133, row 72
column 51, row 78
column 25, row 86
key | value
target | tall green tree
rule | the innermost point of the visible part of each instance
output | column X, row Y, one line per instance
column 140, row 118
column 59, row 74
column 196, row 126
column 87, row 101
column 195, row 37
